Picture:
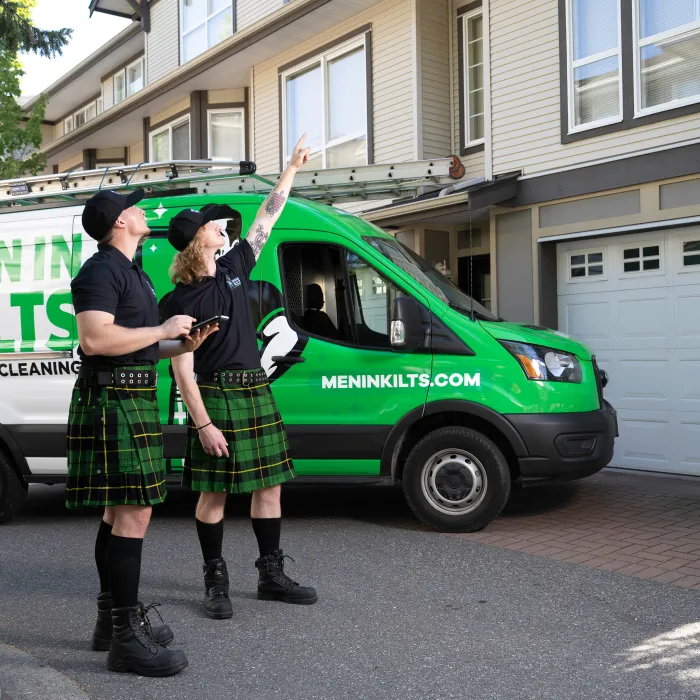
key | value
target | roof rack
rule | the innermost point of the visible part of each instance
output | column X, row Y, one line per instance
column 388, row 181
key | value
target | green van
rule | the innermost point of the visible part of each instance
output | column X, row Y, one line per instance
column 384, row 371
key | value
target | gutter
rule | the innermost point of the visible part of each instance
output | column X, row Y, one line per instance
column 112, row 45
column 289, row 13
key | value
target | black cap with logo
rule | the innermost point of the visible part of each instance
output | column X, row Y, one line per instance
column 103, row 209
column 183, row 227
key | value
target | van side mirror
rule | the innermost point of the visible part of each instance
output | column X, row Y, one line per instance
column 407, row 325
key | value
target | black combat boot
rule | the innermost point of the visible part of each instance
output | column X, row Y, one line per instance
column 102, row 636
column 134, row 649
column 274, row 584
column 217, row 603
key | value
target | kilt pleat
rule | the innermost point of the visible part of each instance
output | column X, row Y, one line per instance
column 257, row 442
column 114, row 448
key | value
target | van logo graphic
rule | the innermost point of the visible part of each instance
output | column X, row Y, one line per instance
column 233, row 283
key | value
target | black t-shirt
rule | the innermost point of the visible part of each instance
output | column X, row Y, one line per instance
column 110, row 282
column 234, row 345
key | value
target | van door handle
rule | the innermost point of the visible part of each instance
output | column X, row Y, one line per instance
column 282, row 360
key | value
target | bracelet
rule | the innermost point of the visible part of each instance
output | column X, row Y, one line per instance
column 204, row 426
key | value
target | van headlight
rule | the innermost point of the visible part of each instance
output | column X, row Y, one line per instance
column 545, row 364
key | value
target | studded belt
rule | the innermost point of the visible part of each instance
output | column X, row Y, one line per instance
column 118, row 376
column 234, row 377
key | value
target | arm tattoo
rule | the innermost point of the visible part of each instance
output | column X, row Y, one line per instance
column 259, row 239
column 274, row 202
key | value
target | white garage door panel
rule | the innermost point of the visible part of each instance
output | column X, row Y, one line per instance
column 644, row 327
column 663, row 441
column 688, row 316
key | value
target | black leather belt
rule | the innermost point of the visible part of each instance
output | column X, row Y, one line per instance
column 117, row 376
column 235, row 377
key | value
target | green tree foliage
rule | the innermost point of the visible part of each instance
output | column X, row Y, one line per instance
column 17, row 33
column 19, row 139
column 20, row 135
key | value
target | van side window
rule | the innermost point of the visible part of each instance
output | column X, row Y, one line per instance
column 334, row 294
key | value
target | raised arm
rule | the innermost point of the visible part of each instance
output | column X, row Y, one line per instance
column 274, row 204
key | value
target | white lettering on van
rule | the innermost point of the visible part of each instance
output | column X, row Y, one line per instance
column 399, row 381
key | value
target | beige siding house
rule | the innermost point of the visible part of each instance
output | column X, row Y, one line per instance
column 577, row 125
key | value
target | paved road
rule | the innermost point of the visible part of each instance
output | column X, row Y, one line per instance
column 404, row 613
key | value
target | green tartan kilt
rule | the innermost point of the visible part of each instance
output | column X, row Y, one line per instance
column 257, row 442
column 115, row 448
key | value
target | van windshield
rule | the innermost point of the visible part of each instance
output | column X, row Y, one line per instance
column 434, row 281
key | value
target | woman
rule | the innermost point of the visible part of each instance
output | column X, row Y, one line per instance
column 236, row 439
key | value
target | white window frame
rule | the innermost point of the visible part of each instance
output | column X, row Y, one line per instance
column 571, row 65
column 688, row 268
column 639, row 44
column 142, row 61
column 468, row 141
column 124, row 73
column 83, row 110
column 323, row 59
column 183, row 33
column 169, row 128
column 586, row 252
column 225, row 110
column 640, row 245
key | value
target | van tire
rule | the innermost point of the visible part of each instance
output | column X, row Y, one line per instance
column 456, row 480
column 13, row 490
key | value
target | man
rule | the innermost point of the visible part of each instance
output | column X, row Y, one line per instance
column 236, row 440
column 115, row 446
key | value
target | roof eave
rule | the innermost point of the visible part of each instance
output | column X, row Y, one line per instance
column 129, row 33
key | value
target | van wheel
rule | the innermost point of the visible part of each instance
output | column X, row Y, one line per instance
column 13, row 491
column 456, row 480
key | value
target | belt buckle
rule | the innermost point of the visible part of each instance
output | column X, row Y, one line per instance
column 244, row 379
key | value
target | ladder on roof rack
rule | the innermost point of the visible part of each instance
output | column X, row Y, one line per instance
column 389, row 181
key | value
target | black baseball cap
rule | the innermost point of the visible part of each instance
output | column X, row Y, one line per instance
column 104, row 208
column 183, row 227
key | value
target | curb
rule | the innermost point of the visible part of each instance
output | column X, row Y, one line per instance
column 24, row 677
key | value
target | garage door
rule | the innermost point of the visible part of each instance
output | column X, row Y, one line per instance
column 635, row 302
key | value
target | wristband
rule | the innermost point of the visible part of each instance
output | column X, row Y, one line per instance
column 204, row 426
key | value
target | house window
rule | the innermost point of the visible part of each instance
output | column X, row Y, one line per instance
column 171, row 142
column 128, row 81
column 226, row 134
column 119, row 87
column 205, row 23
column 593, row 41
column 473, row 107
column 691, row 253
column 667, row 59
column 585, row 265
column 326, row 97
column 641, row 259
column 82, row 116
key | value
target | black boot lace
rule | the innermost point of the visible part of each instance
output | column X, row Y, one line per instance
column 142, row 626
column 217, row 580
column 276, row 569
column 145, row 621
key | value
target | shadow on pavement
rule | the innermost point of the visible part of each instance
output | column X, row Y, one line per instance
column 377, row 505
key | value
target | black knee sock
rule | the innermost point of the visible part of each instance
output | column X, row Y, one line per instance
column 211, row 538
column 267, row 531
column 125, row 570
column 101, row 559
